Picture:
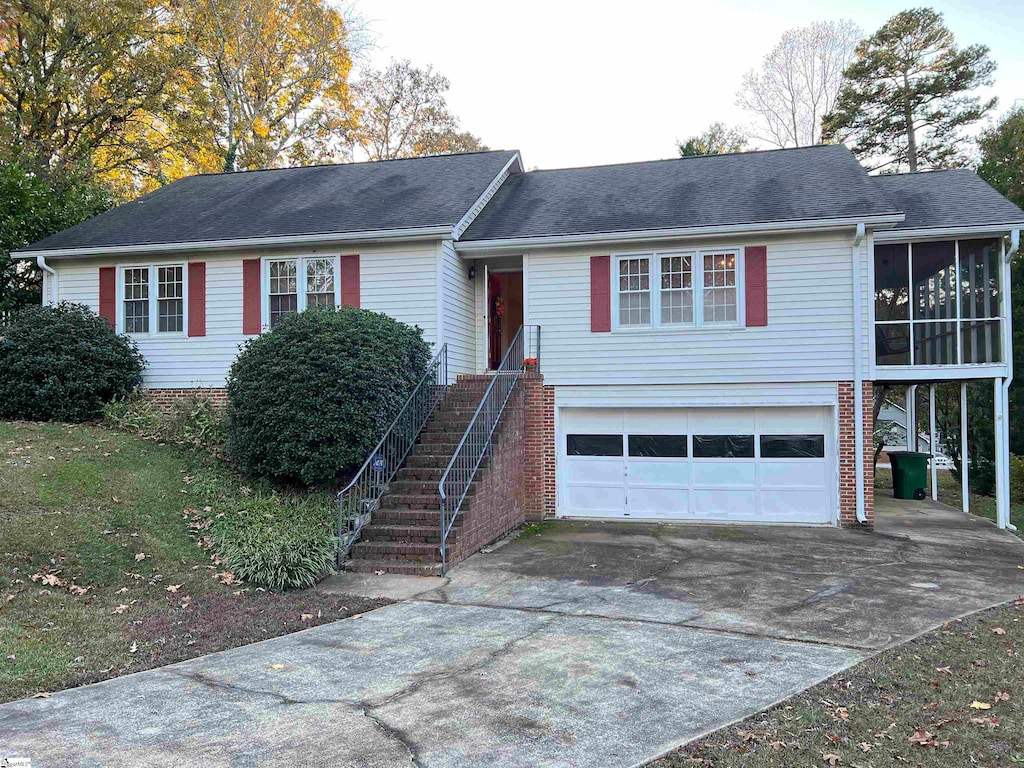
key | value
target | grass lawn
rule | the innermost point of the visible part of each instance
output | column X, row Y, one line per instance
column 100, row 574
column 953, row 697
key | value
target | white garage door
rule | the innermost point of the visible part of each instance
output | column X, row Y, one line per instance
column 734, row 464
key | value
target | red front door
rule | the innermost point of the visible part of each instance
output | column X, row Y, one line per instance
column 504, row 313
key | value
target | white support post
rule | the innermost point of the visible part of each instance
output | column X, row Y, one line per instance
column 911, row 406
column 1002, row 468
column 965, row 488
column 932, row 448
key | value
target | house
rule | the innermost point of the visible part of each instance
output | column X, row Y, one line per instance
column 892, row 425
column 710, row 328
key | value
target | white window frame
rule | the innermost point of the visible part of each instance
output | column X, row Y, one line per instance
column 154, row 289
column 697, row 268
column 300, row 274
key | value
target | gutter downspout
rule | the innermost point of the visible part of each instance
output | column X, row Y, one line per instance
column 1008, row 342
column 41, row 261
column 858, row 378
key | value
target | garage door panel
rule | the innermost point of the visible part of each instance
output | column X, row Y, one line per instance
column 794, row 474
column 596, row 500
column 659, row 502
column 792, row 479
column 656, row 421
column 659, row 473
column 723, row 503
column 727, row 473
column 795, row 506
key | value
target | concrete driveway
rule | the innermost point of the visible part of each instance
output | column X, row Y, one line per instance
column 590, row 644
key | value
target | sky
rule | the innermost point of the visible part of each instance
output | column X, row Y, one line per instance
column 581, row 83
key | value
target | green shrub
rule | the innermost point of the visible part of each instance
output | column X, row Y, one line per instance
column 272, row 543
column 191, row 421
column 63, row 363
column 1017, row 479
column 309, row 399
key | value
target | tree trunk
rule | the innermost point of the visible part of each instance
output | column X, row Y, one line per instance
column 908, row 117
column 229, row 158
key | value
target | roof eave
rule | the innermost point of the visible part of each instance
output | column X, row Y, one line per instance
column 679, row 233
column 443, row 232
column 975, row 230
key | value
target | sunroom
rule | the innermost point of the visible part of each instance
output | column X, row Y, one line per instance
column 941, row 313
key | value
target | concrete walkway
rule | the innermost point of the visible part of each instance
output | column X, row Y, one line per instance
column 590, row 644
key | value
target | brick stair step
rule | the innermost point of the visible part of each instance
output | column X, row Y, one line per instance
column 407, row 567
column 435, row 449
column 429, row 474
column 397, row 550
column 427, row 461
column 419, row 534
column 409, row 517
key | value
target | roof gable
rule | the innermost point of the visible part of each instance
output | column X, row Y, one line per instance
column 294, row 202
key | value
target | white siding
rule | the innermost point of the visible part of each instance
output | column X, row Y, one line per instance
column 458, row 302
column 399, row 280
column 809, row 336
column 697, row 395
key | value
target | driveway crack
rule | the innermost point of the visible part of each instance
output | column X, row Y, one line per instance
column 394, row 734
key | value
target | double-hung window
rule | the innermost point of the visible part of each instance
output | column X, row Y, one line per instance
column 299, row 283
column 153, row 299
column 677, row 288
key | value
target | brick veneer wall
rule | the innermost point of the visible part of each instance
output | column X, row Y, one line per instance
column 847, row 456
column 167, row 397
column 498, row 501
column 541, row 495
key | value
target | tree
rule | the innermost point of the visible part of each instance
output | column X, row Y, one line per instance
column 32, row 207
column 271, row 77
column 718, row 139
column 1002, row 155
column 403, row 113
column 906, row 97
column 75, row 78
column 799, row 82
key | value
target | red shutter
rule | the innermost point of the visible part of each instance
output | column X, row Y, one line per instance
column 755, row 261
column 251, row 296
column 600, row 294
column 350, row 281
column 108, row 293
column 197, row 298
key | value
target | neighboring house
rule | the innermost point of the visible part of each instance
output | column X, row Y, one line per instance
column 892, row 418
column 710, row 326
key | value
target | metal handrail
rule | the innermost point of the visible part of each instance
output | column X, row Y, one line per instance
column 476, row 441
column 358, row 499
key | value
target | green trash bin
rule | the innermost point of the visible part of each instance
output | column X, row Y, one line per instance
column 909, row 474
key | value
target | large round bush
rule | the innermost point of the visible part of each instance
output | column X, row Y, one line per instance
column 63, row 363
column 310, row 398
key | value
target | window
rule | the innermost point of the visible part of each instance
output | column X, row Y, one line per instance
column 136, row 300
column 682, row 288
column 792, row 446
column 170, row 300
column 593, row 445
column 284, row 298
column 938, row 302
column 676, row 289
column 634, row 292
column 657, row 446
column 723, row 446
column 320, row 283
column 164, row 283
column 720, row 287
column 294, row 285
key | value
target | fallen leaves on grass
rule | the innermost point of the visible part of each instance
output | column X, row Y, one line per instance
column 225, row 577
column 123, row 608
column 173, row 587
column 140, row 556
column 831, row 758
column 980, row 705
column 998, row 631
column 41, row 695
column 923, row 738
column 1001, row 696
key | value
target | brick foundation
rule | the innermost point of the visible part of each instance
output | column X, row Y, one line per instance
column 167, row 397
column 847, row 454
column 498, row 503
column 541, row 494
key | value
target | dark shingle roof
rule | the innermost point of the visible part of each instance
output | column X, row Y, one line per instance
column 820, row 182
column 354, row 197
column 954, row 198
